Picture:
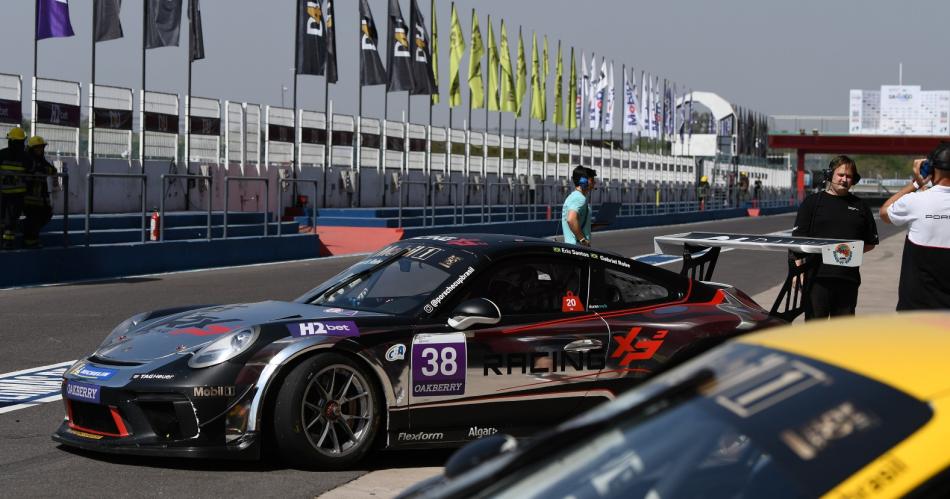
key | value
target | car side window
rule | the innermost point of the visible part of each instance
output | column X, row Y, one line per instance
column 532, row 286
column 614, row 289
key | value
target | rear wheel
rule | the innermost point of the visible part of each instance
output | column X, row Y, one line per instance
column 327, row 413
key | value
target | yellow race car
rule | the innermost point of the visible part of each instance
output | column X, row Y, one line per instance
column 849, row 408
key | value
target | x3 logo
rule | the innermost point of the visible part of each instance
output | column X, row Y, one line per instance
column 644, row 349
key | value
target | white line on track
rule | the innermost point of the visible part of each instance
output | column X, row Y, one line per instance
column 31, row 386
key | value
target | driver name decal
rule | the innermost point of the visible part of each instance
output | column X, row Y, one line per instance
column 439, row 365
column 324, row 328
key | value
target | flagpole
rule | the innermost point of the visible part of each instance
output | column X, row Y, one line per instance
column 36, row 23
column 327, row 120
column 142, row 105
column 188, row 105
column 294, row 112
column 92, row 106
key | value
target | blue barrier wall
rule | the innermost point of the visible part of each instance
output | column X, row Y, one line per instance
column 51, row 265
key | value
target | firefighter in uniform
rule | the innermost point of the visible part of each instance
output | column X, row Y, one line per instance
column 13, row 161
column 36, row 201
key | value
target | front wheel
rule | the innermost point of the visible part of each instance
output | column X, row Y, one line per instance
column 327, row 413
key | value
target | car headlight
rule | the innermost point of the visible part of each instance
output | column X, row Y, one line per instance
column 224, row 348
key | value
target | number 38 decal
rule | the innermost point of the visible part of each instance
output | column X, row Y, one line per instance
column 438, row 364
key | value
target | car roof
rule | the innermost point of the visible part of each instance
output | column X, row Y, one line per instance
column 494, row 244
column 906, row 351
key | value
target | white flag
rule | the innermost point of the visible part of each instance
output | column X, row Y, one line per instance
column 630, row 121
column 644, row 105
column 593, row 111
column 657, row 107
column 600, row 89
column 609, row 112
column 582, row 89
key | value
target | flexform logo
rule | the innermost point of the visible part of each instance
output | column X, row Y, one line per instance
column 419, row 437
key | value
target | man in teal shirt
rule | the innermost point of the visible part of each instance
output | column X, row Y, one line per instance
column 576, row 214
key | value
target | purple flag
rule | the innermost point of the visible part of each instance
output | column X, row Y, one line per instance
column 52, row 19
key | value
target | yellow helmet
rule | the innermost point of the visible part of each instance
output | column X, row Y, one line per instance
column 16, row 133
column 35, row 141
column 704, row 179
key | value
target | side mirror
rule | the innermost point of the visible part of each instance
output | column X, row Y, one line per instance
column 474, row 311
column 477, row 452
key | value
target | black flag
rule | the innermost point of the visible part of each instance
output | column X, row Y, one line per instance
column 372, row 71
column 331, row 72
column 311, row 41
column 399, row 57
column 108, row 26
column 423, row 79
column 196, row 38
column 164, row 23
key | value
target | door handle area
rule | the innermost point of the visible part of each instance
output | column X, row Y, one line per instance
column 584, row 345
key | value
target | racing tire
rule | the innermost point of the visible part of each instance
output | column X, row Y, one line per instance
column 327, row 413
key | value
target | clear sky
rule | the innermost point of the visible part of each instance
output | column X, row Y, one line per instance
column 778, row 57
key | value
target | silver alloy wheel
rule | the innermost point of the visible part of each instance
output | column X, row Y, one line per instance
column 337, row 410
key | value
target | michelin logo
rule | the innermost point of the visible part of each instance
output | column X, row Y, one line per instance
column 435, row 302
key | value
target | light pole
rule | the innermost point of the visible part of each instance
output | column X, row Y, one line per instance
column 283, row 91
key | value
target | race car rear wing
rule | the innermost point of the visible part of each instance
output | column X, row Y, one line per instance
column 701, row 250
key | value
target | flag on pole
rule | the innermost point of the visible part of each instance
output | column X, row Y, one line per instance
column 537, row 98
column 372, row 71
column 108, row 27
column 399, row 57
column 475, row 84
column 597, row 103
column 509, row 101
column 164, row 23
column 690, row 115
column 311, row 41
column 494, row 68
column 456, row 51
column 631, row 122
column 423, row 79
column 582, row 89
column 558, row 91
column 644, row 105
column 52, row 19
column 657, row 108
column 570, row 118
column 609, row 112
column 545, row 72
column 435, row 53
column 522, row 81
column 196, row 38
column 330, row 21
column 592, row 115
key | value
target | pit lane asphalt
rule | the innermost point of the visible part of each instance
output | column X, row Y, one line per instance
column 47, row 325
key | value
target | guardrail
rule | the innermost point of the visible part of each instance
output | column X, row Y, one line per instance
column 281, row 187
column 90, row 179
column 65, row 177
column 166, row 176
column 227, row 198
column 425, row 200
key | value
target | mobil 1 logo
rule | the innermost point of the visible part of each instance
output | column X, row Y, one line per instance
column 438, row 364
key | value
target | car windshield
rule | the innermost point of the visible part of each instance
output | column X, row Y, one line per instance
column 397, row 280
column 770, row 425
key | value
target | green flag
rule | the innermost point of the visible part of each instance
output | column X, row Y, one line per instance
column 545, row 72
column 493, row 69
column 570, row 117
column 456, row 51
column 507, row 97
column 435, row 55
column 475, row 85
column 558, row 93
column 537, row 108
column 522, row 87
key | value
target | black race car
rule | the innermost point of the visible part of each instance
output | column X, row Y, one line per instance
column 432, row 341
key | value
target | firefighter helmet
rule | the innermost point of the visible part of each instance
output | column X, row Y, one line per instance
column 16, row 133
column 35, row 141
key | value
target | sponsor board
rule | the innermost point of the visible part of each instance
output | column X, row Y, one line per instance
column 82, row 392
column 214, row 391
column 438, row 364
column 324, row 328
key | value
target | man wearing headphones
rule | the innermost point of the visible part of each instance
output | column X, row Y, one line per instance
column 925, row 266
column 835, row 213
column 576, row 214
